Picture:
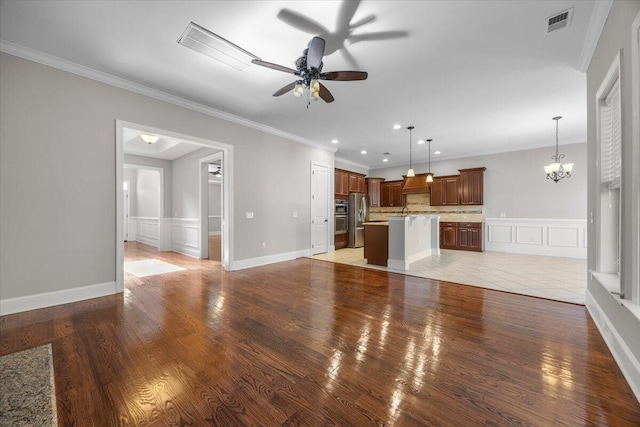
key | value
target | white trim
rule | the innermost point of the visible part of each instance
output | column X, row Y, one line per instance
column 80, row 70
column 270, row 259
column 48, row 299
column 351, row 163
column 627, row 362
column 599, row 16
column 635, row 163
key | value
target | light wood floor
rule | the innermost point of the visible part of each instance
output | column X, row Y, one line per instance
column 309, row 342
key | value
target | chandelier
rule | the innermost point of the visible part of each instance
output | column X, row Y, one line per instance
column 556, row 171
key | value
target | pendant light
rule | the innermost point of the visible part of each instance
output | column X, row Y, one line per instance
column 410, row 172
column 556, row 171
column 429, row 174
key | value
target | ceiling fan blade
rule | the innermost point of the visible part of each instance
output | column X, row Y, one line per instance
column 315, row 53
column 284, row 89
column 301, row 22
column 325, row 94
column 382, row 35
column 366, row 20
column 344, row 75
column 349, row 58
column 274, row 66
column 346, row 12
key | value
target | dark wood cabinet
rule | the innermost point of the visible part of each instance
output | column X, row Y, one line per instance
column 471, row 186
column 448, row 235
column 445, row 191
column 348, row 182
column 461, row 235
column 374, row 191
column 376, row 244
column 392, row 194
column 341, row 183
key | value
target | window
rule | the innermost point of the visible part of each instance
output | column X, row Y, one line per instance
column 608, row 215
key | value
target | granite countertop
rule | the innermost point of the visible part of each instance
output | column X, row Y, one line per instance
column 376, row 223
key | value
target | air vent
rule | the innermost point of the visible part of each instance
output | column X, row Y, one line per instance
column 559, row 21
column 207, row 43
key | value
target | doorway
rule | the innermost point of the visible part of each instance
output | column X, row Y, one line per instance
column 212, row 199
column 124, row 132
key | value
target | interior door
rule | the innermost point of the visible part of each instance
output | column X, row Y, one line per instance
column 319, row 208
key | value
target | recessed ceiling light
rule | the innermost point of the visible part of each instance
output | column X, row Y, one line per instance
column 421, row 141
column 396, row 127
column 363, row 152
column 334, row 141
column 436, row 152
column 385, row 160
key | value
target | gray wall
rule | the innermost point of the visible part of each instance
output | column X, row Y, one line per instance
column 215, row 206
column 148, row 193
column 615, row 36
column 515, row 183
column 165, row 165
column 73, row 221
column 186, row 184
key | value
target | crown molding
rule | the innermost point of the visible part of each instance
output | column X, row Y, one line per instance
column 351, row 163
column 80, row 70
column 599, row 16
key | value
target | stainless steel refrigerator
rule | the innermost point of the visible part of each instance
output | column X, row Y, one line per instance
column 358, row 215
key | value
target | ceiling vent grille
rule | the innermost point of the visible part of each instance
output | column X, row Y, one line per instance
column 207, row 43
column 559, row 21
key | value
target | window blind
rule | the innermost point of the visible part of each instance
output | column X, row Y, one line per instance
column 610, row 138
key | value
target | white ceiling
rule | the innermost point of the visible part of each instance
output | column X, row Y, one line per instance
column 478, row 77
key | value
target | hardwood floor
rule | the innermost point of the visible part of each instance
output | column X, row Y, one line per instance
column 310, row 342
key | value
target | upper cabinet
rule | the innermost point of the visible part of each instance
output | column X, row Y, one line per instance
column 445, row 191
column 464, row 189
column 348, row 182
column 374, row 191
column 471, row 186
column 392, row 194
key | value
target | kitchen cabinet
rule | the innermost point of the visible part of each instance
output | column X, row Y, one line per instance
column 448, row 235
column 445, row 191
column 376, row 243
column 466, row 236
column 348, row 182
column 341, row 183
column 471, row 186
column 374, row 191
column 392, row 193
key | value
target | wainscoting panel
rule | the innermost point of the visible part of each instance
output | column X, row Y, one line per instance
column 147, row 230
column 185, row 234
column 551, row 237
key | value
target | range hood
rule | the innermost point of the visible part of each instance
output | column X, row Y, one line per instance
column 415, row 184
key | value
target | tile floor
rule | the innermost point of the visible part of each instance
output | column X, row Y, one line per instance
column 562, row 279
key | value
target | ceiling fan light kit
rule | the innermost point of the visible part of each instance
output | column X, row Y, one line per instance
column 309, row 72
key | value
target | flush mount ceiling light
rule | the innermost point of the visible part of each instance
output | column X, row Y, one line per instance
column 149, row 139
column 410, row 172
column 334, row 141
column 556, row 171
column 429, row 174
column 207, row 43
column 396, row 127
column 363, row 152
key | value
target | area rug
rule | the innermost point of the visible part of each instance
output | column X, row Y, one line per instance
column 27, row 388
column 150, row 267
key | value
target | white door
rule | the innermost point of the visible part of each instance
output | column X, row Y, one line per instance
column 319, row 208
column 126, row 214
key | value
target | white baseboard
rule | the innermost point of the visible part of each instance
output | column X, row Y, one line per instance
column 185, row 250
column 147, row 241
column 215, row 233
column 48, row 299
column 628, row 363
column 269, row 259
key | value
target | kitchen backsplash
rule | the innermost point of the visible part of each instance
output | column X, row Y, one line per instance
column 421, row 204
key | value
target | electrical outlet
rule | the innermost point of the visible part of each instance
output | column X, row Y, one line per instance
column 249, row 215
column 295, row 214
column 264, row 245
column 503, row 214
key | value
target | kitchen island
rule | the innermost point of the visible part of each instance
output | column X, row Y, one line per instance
column 408, row 239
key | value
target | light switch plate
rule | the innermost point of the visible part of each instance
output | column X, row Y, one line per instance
column 249, row 215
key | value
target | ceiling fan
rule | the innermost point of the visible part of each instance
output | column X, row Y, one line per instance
column 309, row 72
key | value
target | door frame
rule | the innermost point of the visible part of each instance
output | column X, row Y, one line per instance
column 203, row 172
column 227, row 153
column 330, row 226
column 161, row 226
